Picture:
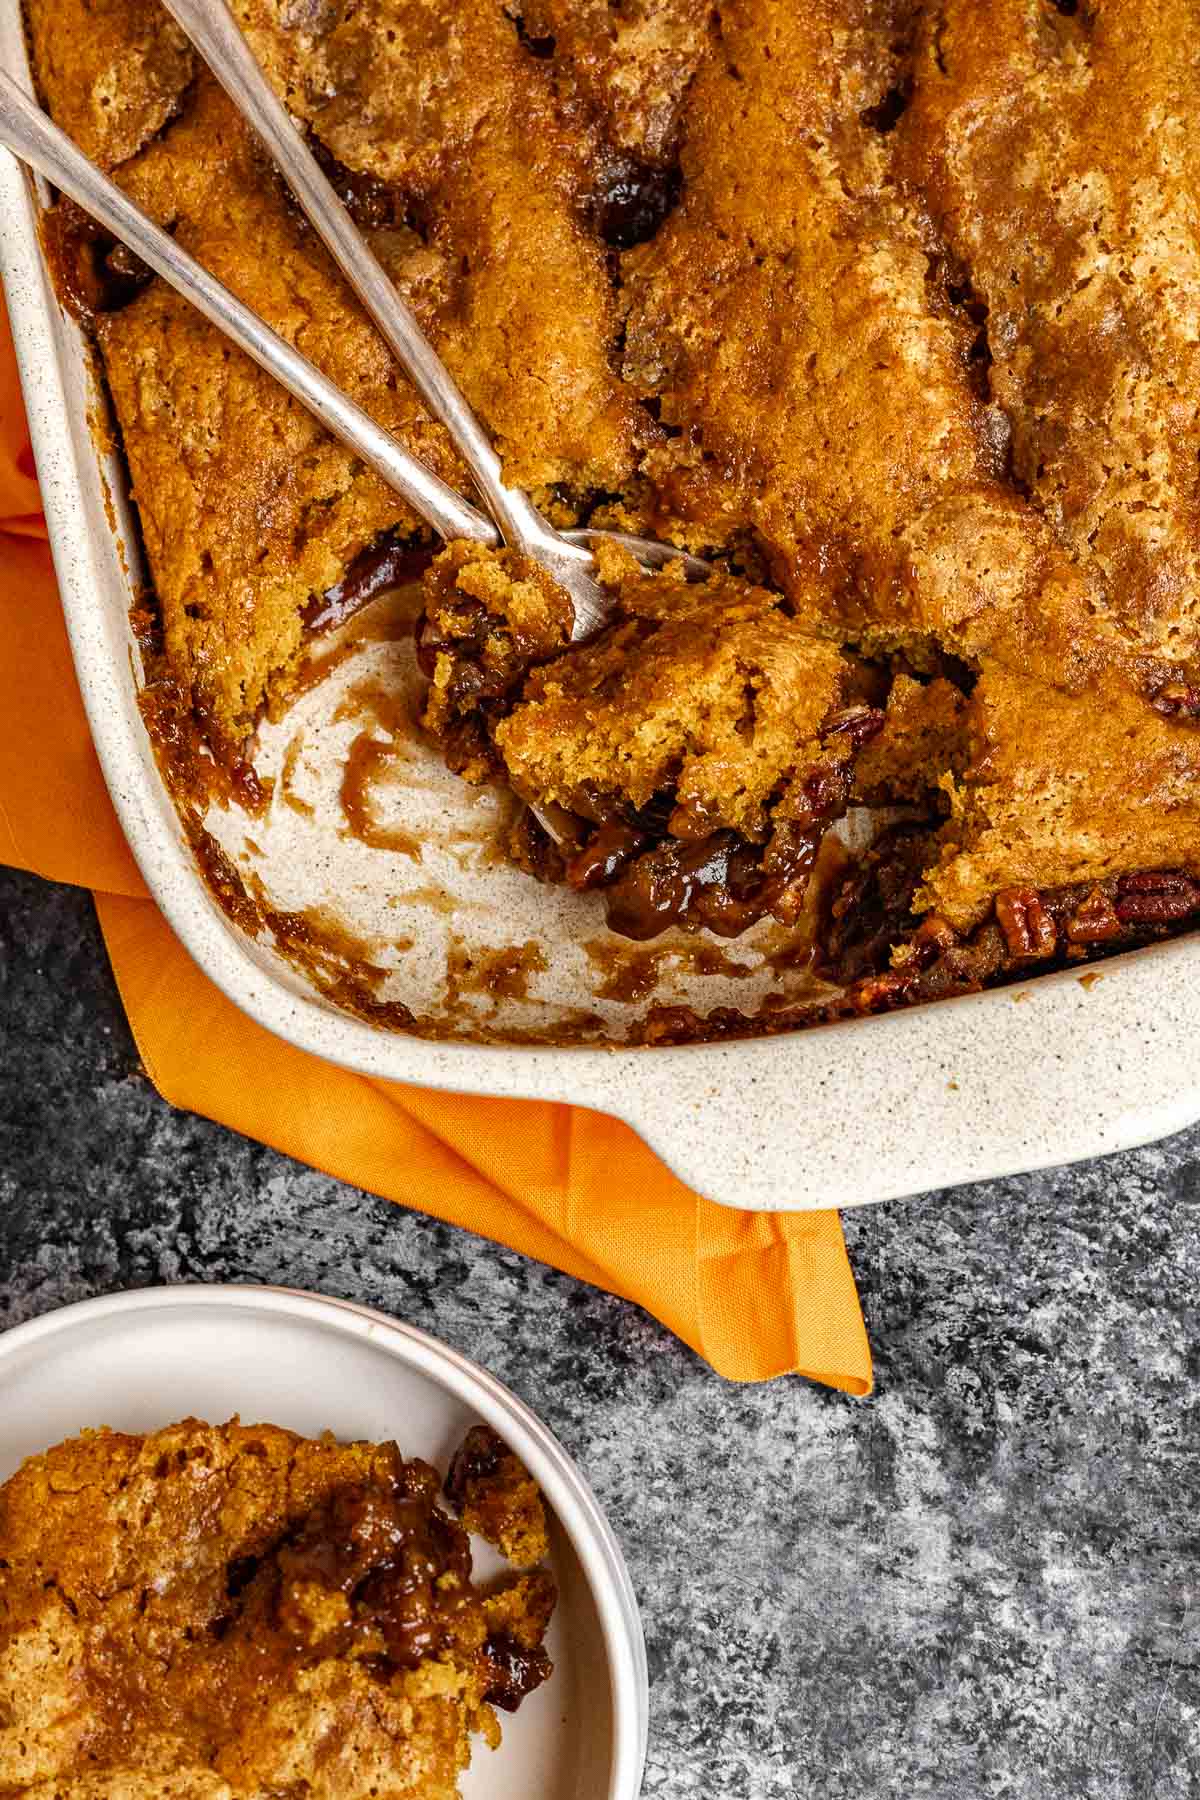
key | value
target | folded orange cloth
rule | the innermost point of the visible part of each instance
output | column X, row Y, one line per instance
column 756, row 1294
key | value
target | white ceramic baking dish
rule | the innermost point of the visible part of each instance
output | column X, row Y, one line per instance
column 1057, row 1069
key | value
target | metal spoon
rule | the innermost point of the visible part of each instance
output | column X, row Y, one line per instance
column 35, row 139
column 31, row 136
column 213, row 30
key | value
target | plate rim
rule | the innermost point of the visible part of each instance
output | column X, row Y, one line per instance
column 574, row 1504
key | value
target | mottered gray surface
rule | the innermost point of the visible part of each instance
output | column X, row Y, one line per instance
column 982, row 1581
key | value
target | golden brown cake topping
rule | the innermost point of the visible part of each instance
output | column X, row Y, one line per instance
column 235, row 1611
column 889, row 309
column 496, row 1497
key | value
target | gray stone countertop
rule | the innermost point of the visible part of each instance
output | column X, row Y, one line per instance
column 981, row 1581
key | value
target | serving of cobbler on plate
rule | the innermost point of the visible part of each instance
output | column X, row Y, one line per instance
column 234, row 1612
column 888, row 309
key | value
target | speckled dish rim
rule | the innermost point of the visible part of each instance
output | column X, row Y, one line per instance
column 1070, row 1065
column 571, row 1499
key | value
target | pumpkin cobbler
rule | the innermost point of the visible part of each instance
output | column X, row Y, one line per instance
column 888, row 309
column 235, row 1612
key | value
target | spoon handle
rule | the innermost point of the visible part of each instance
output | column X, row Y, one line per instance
column 32, row 137
column 216, row 35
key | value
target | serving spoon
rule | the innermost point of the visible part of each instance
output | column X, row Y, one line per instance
column 36, row 140
column 511, row 518
column 216, row 35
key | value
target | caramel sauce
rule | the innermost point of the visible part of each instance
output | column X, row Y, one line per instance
column 221, row 877
column 92, row 272
column 515, row 1671
column 795, row 955
column 322, row 934
column 575, row 1027
column 402, row 1568
column 383, row 702
column 287, row 790
column 381, row 568
column 631, row 975
column 366, row 760
column 387, row 620
column 435, row 899
column 372, row 1573
column 502, row 973
column 319, row 668
column 193, row 773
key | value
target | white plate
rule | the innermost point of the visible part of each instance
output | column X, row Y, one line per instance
column 142, row 1360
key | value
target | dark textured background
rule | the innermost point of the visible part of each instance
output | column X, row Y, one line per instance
column 979, row 1582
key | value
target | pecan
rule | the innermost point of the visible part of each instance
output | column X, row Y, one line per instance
column 605, row 855
column 1176, row 700
column 477, row 1458
column 933, row 937
column 857, row 723
column 1158, row 881
column 872, row 909
column 1155, row 909
column 1094, row 920
column 875, row 992
column 1156, row 897
column 514, row 1670
column 1028, row 928
column 822, row 794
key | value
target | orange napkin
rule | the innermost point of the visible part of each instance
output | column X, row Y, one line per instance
column 757, row 1294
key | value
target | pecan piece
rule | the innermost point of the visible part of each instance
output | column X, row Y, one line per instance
column 1029, row 930
column 1156, row 897
column 1158, row 881
column 1176, row 700
column 859, row 724
column 933, row 937
column 875, row 992
column 1094, row 920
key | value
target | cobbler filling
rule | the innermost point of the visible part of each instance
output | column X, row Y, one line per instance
column 660, row 866
column 235, row 1608
column 758, row 278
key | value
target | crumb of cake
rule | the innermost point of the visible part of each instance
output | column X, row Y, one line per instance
column 112, row 72
column 923, row 736
column 488, row 616
column 517, row 1617
column 1061, row 790
column 497, row 1498
column 235, row 1610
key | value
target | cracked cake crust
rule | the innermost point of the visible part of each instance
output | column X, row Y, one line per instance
column 884, row 305
column 235, row 1611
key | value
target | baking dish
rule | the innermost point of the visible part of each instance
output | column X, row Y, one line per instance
column 1065, row 1066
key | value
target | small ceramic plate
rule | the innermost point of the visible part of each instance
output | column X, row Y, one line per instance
column 140, row 1360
